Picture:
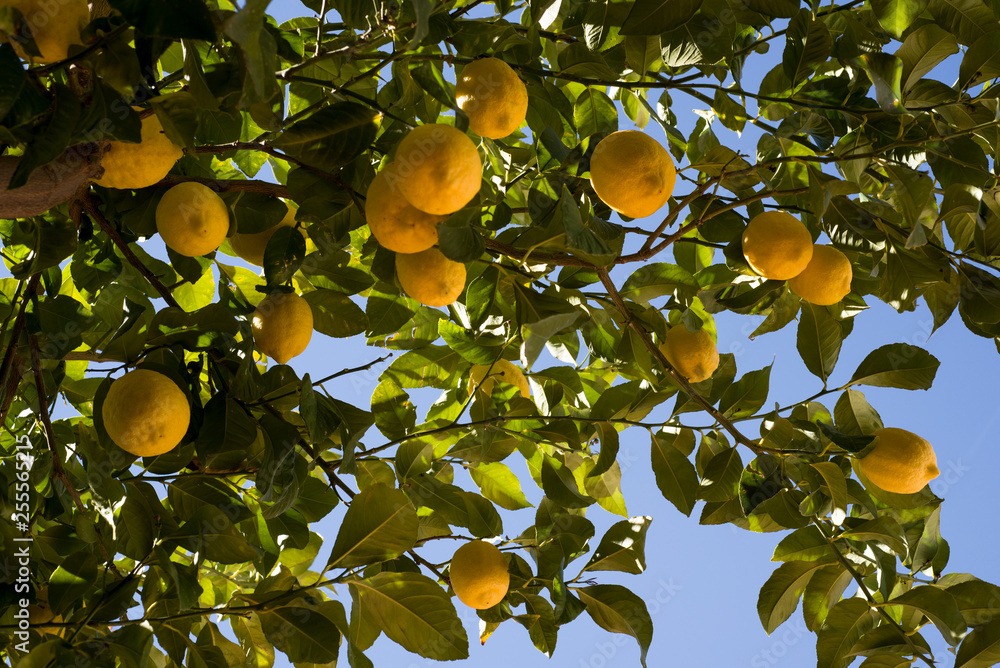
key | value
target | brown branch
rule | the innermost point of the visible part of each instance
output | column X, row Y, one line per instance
column 11, row 360
column 90, row 206
column 229, row 185
column 49, row 185
column 681, row 382
column 50, row 439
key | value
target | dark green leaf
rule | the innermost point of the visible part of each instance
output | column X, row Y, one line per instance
column 380, row 524
column 616, row 609
column 897, row 365
column 332, row 136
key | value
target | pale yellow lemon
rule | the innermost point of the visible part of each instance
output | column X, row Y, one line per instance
column 282, row 326
column 777, row 245
column 632, row 173
column 492, row 96
column 430, row 277
column 54, row 25
column 394, row 222
column 479, row 574
column 693, row 354
column 901, row 462
column 438, row 168
column 128, row 166
column 192, row 219
column 826, row 279
column 145, row 413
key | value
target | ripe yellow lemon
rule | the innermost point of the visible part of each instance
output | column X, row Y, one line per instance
column 777, row 245
column 139, row 165
column 493, row 97
column 632, row 173
column 251, row 247
column 438, row 168
column 479, row 575
column 693, row 354
column 145, row 413
column 53, row 26
column 502, row 371
column 430, row 277
column 282, row 326
column 394, row 222
column 902, row 462
column 826, row 279
column 192, row 219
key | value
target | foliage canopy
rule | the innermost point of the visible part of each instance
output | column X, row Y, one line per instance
column 861, row 138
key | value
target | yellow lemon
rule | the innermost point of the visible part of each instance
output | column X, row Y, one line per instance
column 395, row 223
column 282, row 326
column 53, row 26
column 479, row 575
column 139, row 165
column 145, row 413
column 192, row 219
column 632, row 173
column 438, row 168
column 826, row 279
column 777, row 245
column 430, row 277
column 692, row 354
column 902, row 462
column 493, row 97
column 502, row 371
column 251, row 246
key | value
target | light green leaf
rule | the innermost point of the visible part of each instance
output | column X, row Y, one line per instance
column 844, row 625
column 380, row 524
column 675, row 474
column 623, row 547
column 499, row 484
column 938, row 606
column 779, row 596
column 616, row 609
column 981, row 648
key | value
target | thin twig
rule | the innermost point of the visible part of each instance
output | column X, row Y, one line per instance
column 90, row 206
column 10, row 358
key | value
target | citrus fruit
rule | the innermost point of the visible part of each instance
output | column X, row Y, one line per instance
column 53, row 31
column 632, row 173
column 192, row 219
column 395, row 223
column 430, row 277
column 479, row 574
column 502, row 371
column 145, row 413
column 826, row 279
column 901, row 462
column 139, row 165
column 251, row 246
column 493, row 97
column 777, row 245
column 692, row 354
column 282, row 326
column 438, row 168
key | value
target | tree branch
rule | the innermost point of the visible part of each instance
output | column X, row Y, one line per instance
column 229, row 185
column 90, row 206
column 8, row 380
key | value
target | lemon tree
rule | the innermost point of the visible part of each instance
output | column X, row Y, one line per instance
column 322, row 441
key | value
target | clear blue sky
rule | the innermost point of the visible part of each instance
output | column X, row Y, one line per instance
column 701, row 583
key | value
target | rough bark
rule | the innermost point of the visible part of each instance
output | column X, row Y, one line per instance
column 51, row 185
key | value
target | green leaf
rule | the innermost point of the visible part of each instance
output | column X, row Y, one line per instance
column 652, row 17
column 981, row 648
column 499, row 484
column 303, row 633
column 675, row 474
column 395, row 414
column 458, row 239
column 414, row 611
column 335, row 314
column 380, row 525
column 747, row 395
column 614, row 608
column 72, row 579
column 836, row 486
column 211, row 532
column 622, row 548
column 807, row 43
column 784, row 9
column 968, row 20
column 845, row 624
column 854, row 416
column 858, row 445
column 922, row 50
column 660, row 279
column 183, row 19
column 188, row 494
column 283, row 255
column 884, row 530
column 559, row 484
column 825, row 588
column 594, row 113
column 818, row 340
column 722, row 476
column 897, row 365
column 331, row 137
column 938, row 606
column 259, row 49
column 979, row 601
column 779, row 596
column 805, row 544
column 897, row 15
column 886, row 73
